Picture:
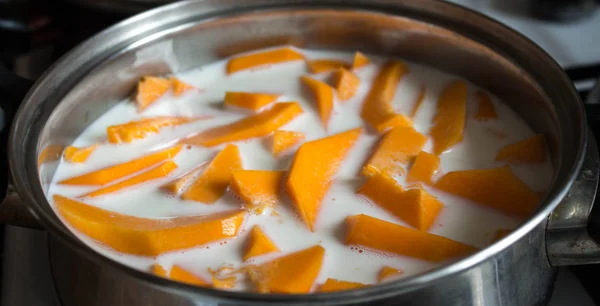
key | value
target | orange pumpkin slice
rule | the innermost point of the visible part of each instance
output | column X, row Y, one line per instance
column 157, row 172
column 259, row 244
column 259, row 125
column 50, row 153
column 181, row 275
column 424, row 167
column 530, row 150
column 258, row 59
column 140, row 129
column 415, row 207
column 226, row 283
column 113, row 173
column 177, row 185
column 147, row 237
column 259, row 189
column 389, row 237
column 395, row 149
column 325, row 65
column 312, row 170
column 419, row 101
column 346, row 84
column 78, row 155
column 485, row 110
column 497, row 188
column 292, row 273
column 333, row 285
column 213, row 182
column 377, row 108
column 249, row 100
column 179, row 87
column 159, row 270
column 284, row 140
column 359, row 60
column 323, row 95
column 149, row 89
column 449, row 121
column 387, row 272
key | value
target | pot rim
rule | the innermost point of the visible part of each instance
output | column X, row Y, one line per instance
column 34, row 196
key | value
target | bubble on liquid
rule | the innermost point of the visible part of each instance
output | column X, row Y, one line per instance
column 167, row 195
column 365, row 200
column 370, row 252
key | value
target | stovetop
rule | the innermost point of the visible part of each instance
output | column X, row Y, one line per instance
column 52, row 27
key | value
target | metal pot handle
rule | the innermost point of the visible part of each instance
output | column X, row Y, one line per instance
column 12, row 91
column 573, row 230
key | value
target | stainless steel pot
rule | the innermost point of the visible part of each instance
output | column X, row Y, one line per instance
column 517, row 270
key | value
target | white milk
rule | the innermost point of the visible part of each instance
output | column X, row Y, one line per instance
column 460, row 220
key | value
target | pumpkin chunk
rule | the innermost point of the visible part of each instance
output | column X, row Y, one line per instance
column 530, row 150
column 255, row 43
column 389, row 237
column 377, row 109
column 212, row 183
column 323, row 95
column 346, row 83
column 396, row 148
column 501, row 233
column 259, row 244
column 325, row 65
column 78, row 155
column 424, row 167
column 497, row 188
column 332, row 285
column 157, row 172
column 419, row 101
column 415, row 207
column 284, row 140
column 485, row 110
column 226, row 283
column 292, row 273
column 449, row 121
column 263, row 58
column 387, row 272
column 147, row 237
column 179, row 86
column 113, row 173
column 50, row 153
column 259, row 125
column 177, row 185
column 249, row 100
column 140, row 129
column 181, row 275
column 149, row 89
column 259, row 189
column 158, row 270
column 312, row 170
column 359, row 60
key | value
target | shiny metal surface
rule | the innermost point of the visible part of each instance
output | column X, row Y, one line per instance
column 102, row 71
column 567, row 239
column 122, row 6
column 26, row 278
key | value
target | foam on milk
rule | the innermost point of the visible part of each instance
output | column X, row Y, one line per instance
column 460, row 220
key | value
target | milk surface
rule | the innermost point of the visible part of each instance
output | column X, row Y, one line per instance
column 460, row 220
